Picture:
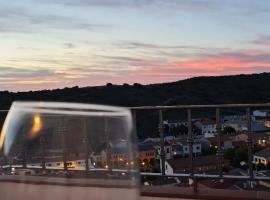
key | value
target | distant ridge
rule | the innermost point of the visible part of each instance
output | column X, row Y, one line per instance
column 254, row 88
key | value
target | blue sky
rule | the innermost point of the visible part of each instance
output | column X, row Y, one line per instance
column 63, row 43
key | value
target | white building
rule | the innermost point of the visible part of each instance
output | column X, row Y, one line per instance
column 261, row 113
column 262, row 156
column 175, row 123
column 196, row 148
column 180, row 148
column 157, row 145
column 167, row 150
column 209, row 128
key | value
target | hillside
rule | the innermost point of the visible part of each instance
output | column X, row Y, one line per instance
column 200, row 90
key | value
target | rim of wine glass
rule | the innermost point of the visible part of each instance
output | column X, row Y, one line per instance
column 69, row 108
column 80, row 109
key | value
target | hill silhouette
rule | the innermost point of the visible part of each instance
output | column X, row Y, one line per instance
column 252, row 88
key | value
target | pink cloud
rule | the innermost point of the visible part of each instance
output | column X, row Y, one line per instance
column 145, row 70
column 213, row 64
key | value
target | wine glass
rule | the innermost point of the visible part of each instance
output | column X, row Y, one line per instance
column 68, row 151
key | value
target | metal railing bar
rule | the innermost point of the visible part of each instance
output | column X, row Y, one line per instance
column 161, row 134
column 190, row 141
column 192, row 106
column 249, row 143
column 206, row 176
column 200, row 106
column 219, row 150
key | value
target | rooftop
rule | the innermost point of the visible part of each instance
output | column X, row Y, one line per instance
column 181, row 163
column 223, row 138
column 263, row 153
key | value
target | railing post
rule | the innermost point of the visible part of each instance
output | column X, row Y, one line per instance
column 249, row 143
column 190, row 141
column 161, row 133
column 86, row 147
column 190, row 145
column 24, row 156
column 220, row 148
column 134, row 118
column 108, row 147
column 62, row 131
column 42, row 145
column 195, row 185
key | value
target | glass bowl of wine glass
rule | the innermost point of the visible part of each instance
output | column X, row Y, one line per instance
column 61, row 151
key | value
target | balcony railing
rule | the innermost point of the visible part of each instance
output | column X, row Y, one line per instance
column 195, row 192
column 204, row 193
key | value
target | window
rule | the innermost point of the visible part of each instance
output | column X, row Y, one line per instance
column 168, row 150
column 166, row 167
column 197, row 147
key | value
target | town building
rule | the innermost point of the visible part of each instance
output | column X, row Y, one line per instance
column 262, row 157
column 238, row 126
column 157, row 147
column 261, row 113
column 225, row 141
column 200, row 164
column 147, row 154
column 183, row 146
column 209, row 128
column 260, row 126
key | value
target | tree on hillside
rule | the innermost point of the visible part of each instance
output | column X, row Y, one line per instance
column 228, row 130
column 241, row 154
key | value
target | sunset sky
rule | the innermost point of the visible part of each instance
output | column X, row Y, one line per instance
column 46, row 44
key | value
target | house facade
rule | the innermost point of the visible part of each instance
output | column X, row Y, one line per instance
column 262, row 157
column 209, row 128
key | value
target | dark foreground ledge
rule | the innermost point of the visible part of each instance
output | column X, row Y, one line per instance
column 215, row 194
column 82, row 187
